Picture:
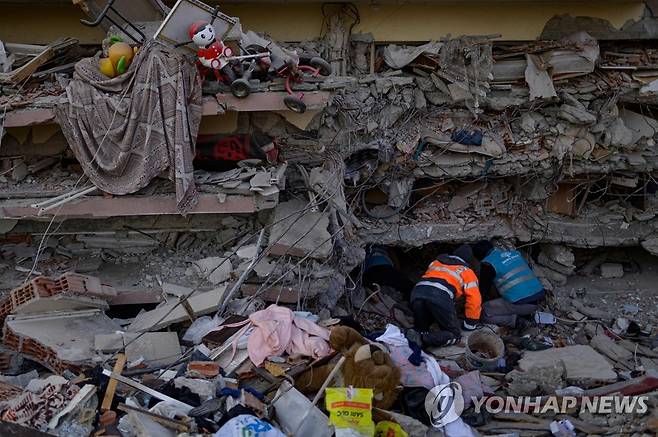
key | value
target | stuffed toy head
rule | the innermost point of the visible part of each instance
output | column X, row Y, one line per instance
column 367, row 365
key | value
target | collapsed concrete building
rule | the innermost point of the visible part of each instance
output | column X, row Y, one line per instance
column 448, row 141
column 441, row 124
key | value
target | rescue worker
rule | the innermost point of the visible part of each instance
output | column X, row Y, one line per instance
column 447, row 279
column 380, row 268
column 510, row 287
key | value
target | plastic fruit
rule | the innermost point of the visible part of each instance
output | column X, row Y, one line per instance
column 106, row 67
column 122, row 65
column 119, row 50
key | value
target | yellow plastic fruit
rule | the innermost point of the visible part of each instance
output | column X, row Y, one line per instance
column 106, row 67
column 119, row 50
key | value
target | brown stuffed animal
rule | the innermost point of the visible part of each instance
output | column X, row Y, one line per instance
column 366, row 366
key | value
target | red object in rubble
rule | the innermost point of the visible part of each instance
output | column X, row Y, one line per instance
column 215, row 149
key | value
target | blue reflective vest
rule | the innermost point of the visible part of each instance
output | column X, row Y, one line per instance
column 514, row 278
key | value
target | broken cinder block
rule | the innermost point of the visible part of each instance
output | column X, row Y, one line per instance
column 583, row 364
column 60, row 340
column 44, row 289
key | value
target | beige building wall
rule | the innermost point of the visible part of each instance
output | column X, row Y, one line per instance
column 422, row 22
column 520, row 20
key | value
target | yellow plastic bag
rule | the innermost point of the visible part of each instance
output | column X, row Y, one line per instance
column 389, row 429
column 350, row 408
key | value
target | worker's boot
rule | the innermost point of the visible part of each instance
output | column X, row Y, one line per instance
column 439, row 338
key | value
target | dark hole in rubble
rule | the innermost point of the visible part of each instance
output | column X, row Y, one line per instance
column 128, row 311
column 412, row 262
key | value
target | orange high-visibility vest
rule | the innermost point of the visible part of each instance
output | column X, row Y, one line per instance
column 463, row 280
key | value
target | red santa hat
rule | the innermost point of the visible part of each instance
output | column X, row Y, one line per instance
column 197, row 26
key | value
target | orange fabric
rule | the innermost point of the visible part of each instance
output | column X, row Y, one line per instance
column 463, row 280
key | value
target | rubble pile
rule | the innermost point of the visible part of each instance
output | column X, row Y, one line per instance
column 219, row 234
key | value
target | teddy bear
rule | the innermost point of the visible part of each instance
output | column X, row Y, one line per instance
column 367, row 365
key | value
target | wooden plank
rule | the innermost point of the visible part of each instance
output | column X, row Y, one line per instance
column 44, row 55
column 19, row 75
column 112, row 385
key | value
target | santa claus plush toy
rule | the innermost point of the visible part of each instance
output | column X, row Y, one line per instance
column 212, row 53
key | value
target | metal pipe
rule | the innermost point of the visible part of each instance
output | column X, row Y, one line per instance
column 243, row 276
column 100, row 16
column 66, row 200
column 257, row 55
column 55, row 199
column 320, row 392
column 147, row 390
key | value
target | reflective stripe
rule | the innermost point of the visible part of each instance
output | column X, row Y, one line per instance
column 503, row 288
column 471, row 285
column 457, row 258
column 453, row 273
column 437, row 285
column 511, row 273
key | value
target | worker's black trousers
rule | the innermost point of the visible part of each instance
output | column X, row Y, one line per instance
column 440, row 310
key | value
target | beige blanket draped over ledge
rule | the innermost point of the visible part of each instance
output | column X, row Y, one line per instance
column 127, row 130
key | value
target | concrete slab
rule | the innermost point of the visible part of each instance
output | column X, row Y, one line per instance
column 212, row 105
column 609, row 348
column 141, row 297
column 157, row 348
column 60, row 303
column 108, row 342
column 121, row 206
column 270, row 101
column 171, row 312
column 582, row 362
column 29, row 117
column 62, row 339
column 175, row 290
column 300, row 232
column 216, row 269
column 278, row 293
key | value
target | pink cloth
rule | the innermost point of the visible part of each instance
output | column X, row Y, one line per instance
column 277, row 330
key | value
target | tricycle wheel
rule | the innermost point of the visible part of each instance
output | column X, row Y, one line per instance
column 322, row 65
column 254, row 49
column 240, row 88
column 295, row 104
